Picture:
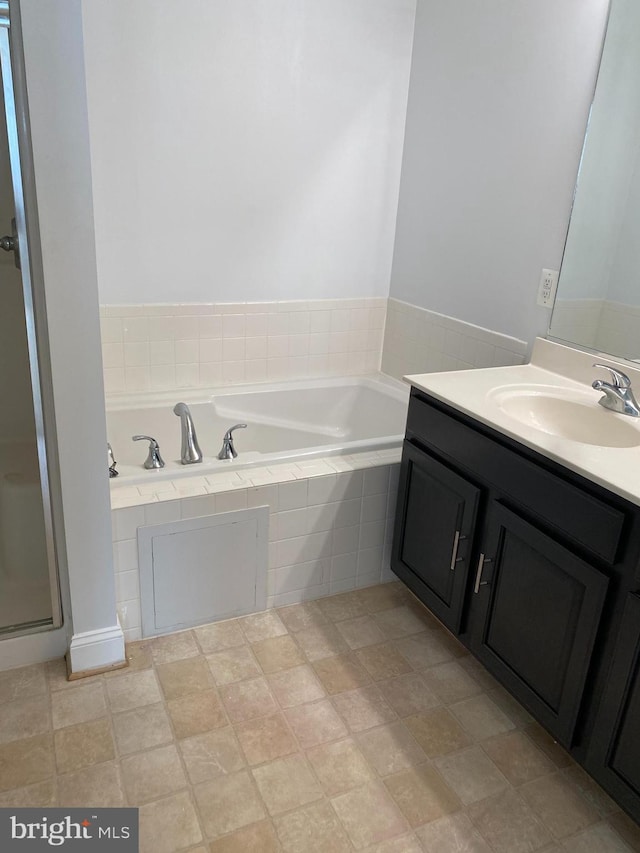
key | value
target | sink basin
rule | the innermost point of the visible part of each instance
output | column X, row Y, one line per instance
column 567, row 413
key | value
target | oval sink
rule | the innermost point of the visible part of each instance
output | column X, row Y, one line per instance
column 567, row 413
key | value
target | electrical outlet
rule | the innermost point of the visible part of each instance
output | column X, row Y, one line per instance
column 547, row 288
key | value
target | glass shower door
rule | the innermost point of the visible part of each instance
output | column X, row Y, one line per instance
column 29, row 594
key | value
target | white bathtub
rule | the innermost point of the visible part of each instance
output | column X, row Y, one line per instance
column 285, row 421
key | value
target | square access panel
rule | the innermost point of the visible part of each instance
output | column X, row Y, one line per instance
column 202, row 569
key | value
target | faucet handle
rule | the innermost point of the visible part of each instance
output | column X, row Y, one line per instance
column 153, row 460
column 228, row 451
column 111, row 462
column 620, row 379
column 227, row 435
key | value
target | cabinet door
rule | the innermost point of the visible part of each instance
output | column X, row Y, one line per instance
column 435, row 521
column 614, row 753
column 535, row 612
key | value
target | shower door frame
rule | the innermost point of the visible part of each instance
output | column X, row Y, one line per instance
column 28, row 237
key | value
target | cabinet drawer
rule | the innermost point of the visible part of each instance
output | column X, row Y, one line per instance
column 572, row 513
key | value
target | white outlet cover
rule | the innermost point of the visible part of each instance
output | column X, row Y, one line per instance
column 547, row 288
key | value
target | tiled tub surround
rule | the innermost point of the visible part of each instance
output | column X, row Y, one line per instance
column 161, row 347
column 330, row 523
column 577, row 320
column 601, row 324
column 352, row 723
column 421, row 341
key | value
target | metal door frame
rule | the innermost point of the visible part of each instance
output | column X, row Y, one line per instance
column 21, row 160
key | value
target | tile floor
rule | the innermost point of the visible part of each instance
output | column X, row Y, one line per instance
column 352, row 722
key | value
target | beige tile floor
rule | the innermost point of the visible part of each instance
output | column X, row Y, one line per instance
column 353, row 722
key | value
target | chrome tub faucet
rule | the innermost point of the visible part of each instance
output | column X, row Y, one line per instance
column 618, row 395
column 190, row 451
column 111, row 462
column 154, row 460
column 228, row 450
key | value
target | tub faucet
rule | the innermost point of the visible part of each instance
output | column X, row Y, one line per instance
column 190, row 451
column 153, row 460
column 111, row 462
column 618, row 395
column 228, row 451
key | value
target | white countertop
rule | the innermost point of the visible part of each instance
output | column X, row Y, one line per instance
column 473, row 392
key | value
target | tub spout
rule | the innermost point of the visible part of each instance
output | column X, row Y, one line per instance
column 228, row 450
column 190, row 451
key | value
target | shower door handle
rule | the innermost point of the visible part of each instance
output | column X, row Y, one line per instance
column 10, row 243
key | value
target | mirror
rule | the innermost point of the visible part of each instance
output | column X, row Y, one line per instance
column 598, row 298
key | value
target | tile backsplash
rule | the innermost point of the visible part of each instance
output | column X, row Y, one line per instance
column 164, row 347
column 161, row 347
column 602, row 324
column 420, row 341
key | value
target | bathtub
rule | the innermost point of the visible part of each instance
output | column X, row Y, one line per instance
column 286, row 421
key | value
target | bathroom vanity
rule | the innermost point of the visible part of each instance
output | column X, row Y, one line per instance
column 525, row 543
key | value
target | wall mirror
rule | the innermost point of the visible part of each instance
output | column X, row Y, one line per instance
column 598, row 300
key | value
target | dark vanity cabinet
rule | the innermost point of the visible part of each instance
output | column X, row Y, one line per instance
column 438, row 527
column 534, row 569
column 614, row 755
column 536, row 611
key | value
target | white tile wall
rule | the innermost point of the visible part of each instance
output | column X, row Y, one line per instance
column 577, row 320
column 330, row 524
column 619, row 329
column 161, row 347
column 164, row 347
column 421, row 341
column 601, row 324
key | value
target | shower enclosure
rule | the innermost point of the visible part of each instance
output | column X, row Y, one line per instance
column 29, row 587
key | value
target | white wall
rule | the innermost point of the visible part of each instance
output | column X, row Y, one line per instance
column 246, row 151
column 59, row 134
column 497, row 110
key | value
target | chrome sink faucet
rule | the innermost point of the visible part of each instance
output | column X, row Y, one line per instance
column 228, row 450
column 618, row 395
column 190, row 451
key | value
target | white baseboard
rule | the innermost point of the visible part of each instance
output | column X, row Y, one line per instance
column 96, row 649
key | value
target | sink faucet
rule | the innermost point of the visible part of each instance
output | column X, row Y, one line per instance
column 618, row 395
column 228, row 451
column 190, row 452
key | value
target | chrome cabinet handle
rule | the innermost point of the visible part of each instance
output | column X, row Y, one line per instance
column 457, row 539
column 479, row 582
